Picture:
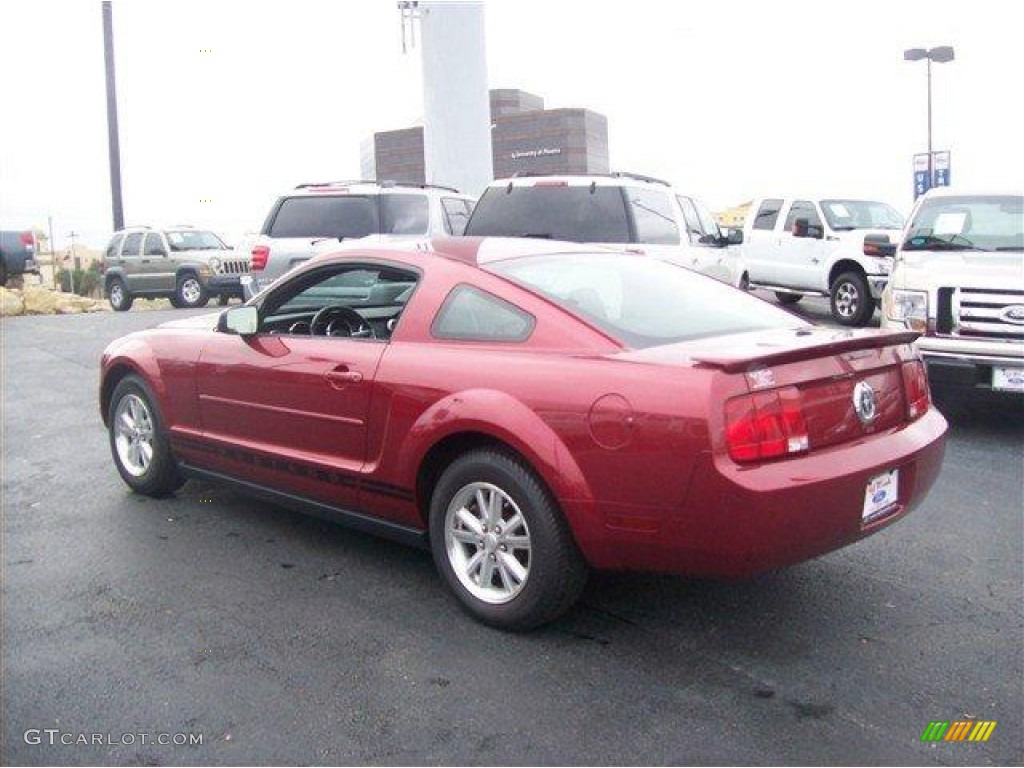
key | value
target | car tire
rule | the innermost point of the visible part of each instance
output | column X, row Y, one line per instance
column 492, row 518
column 786, row 299
column 851, row 301
column 117, row 293
column 138, row 440
column 3, row 272
column 190, row 292
column 222, row 300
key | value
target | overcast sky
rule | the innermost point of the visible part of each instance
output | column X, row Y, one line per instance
column 223, row 105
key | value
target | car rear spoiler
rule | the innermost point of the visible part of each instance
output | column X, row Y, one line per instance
column 814, row 346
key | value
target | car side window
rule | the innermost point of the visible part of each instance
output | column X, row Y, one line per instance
column 654, row 217
column 693, row 228
column 154, row 245
column 456, row 215
column 355, row 300
column 114, row 247
column 802, row 209
column 132, row 244
column 767, row 214
column 470, row 314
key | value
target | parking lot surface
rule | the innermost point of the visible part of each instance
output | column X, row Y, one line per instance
column 281, row 639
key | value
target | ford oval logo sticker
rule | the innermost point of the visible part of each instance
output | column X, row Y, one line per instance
column 864, row 403
column 1013, row 314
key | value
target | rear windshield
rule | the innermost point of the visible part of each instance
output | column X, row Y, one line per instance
column 579, row 214
column 350, row 216
column 642, row 302
column 968, row 223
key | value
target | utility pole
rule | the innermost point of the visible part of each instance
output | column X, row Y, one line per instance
column 113, row 142
column 53, row 251
column 74, row 260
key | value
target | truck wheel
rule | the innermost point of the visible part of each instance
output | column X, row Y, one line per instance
column 852, row 303
column 120, row 299
column 3, row 272
column 788, row 298
column 190, row 292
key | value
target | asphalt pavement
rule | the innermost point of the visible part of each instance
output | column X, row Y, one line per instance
column 274, row 638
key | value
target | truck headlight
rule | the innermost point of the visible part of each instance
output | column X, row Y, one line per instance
column 907, row 307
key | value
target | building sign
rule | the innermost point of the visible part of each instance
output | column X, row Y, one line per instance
column 940, row 175
column 940, row 169
column 542, row 152
column 921, row 181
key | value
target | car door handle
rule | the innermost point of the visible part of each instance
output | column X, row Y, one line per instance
column 341, row 376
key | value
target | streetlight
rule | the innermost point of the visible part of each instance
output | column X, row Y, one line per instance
column 940, row 55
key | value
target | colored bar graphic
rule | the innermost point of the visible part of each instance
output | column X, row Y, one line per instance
column 958, row 730
column 983, row 730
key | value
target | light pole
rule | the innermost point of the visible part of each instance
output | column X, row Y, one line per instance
column 940, row 55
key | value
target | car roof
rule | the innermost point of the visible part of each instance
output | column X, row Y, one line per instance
column 369, row 186
column 474, row 251
column 953, row 192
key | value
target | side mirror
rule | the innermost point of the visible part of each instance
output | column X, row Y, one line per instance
column 734, row 237
column 817, row 231
column 242, row 321
column 878, row 245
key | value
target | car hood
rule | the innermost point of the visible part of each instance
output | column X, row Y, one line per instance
column 198, row 322
column 933, row 269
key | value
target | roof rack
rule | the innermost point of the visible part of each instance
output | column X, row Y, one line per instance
column 379, row 182
column 336, row 183
column 613, row 175
column 638, row 177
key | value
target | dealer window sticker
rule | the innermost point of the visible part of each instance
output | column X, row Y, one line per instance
column 950, row 223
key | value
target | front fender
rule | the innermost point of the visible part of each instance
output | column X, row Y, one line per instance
column 125, row 356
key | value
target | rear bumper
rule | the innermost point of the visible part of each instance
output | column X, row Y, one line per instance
column 19, row 264
column 251, row 285
column 740, row 521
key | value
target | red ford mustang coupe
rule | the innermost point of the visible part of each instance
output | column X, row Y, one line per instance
column 531, row 410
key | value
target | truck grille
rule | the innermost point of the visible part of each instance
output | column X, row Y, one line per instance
column 234, row 267
column 980, row 313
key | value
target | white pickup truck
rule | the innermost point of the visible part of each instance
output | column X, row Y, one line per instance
column 796, row 246
column 958, row 279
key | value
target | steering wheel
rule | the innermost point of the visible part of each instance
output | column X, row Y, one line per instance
column 339, row 320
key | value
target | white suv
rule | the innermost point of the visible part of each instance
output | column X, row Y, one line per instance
column 648, row 214
column 315, row 218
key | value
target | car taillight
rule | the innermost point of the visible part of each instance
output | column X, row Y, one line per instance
column 765, row 425
column 28, row 239
column 915, row 386
column 260, row 254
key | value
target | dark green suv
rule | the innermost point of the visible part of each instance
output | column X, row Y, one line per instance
column 185, row 264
